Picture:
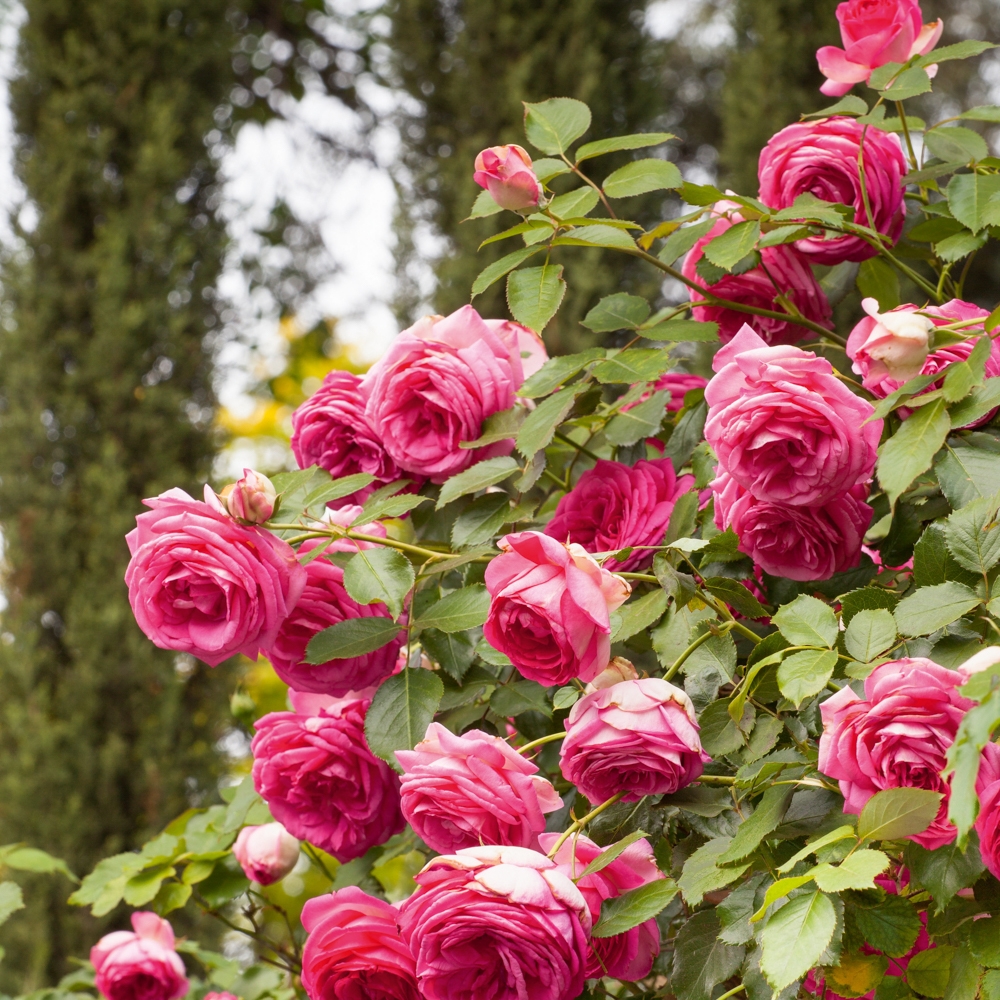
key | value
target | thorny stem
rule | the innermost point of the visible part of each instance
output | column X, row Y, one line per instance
column 581, row 823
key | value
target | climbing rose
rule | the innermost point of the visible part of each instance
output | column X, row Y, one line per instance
column 505, row 171
column 140, row 964
column 266, row 853
column 988, row 820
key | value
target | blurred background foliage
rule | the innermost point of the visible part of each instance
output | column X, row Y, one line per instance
column 110, row 321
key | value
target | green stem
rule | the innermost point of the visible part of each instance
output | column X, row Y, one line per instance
column 314, row 856
column 716, row 779
column 732, row 992
column 748, row 632
column 359, row 536
column 583, row 449
column 679, row 662
column 551, row 738
column 906, row 133
column 581, row 823
column 644, row 577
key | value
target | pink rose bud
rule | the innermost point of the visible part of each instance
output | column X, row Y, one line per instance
column 266, row 853
column 637, row 737
column 900, row 341
column 498, row 922
column 252, row 498
column 875, row 32
column 618, row 670
column 221, row 995
column 505, row 171
column 140, row 964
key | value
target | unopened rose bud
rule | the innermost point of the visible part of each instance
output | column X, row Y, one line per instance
column 505, row 171
column 266, row 853
column 619, row 669
column 251, row 498
column 901, row 340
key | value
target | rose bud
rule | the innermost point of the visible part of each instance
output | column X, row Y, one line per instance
column 140, row 964
column 899, row 342
column 266, row 853
column 252, row 498
column 505, row 171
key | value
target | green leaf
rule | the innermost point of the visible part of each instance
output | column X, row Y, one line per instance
column 457, row 612
column 574, row 203
column 682, row 240
column 982, row 113
column 522, row 227
column 553, row 125
column 519, row 697
column 974, row 200
column 542, row 423
column 638, row 364
column 610, row 853
column 973, row 535
column 804, row 674
column 336, row 489
column 484, row 517
column 701, row 960
column 944, row 871
column 680, row 330
column 597, row 235
column 968, row 473
column 379, row 574
column 870, row 634
column 930, row 608
column 11, row 900
column 641, row 177
column 912, row 448
column 902, row 395
column 891, row 925
column 402, row 709
column 534, row 295
column 833, row 837
column 857, row 871
column 909, row 83
column 897, row 813
column 387, row 506
column 141, row 888
column 639, row 422
column 688, row 432
column 779, row 890
column 765, row 819
column 546, row 169
column 454, row 651
column 636, row 141
column 31, row 859
column 622, row 913
column 968, row 49
column 555, row 371
column 984, row 941
column 489, row 472
column 172, row 896
column 565, row 697
column 500, row 267
column 103, row 887
column 878, row 279
column 499, row 426
column 484, row 206
column 736, row 595
column 351, row 638
column 795, row 937
column 955, row 248
column 807, row 621
column 975, row 406
column 849, row 105
column 974, row 732
column 928, row 971
column 701, row 874
column 733, row 245
column 620, row 311
column 638, row 615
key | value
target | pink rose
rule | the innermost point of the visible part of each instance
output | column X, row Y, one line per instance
column 319, row 779
column 266, row 853
column 784, row 272
column 627, row 956
column 330, row 430
column 637, row 737
column 498, row 922
column 200, row 583
column 678, row 384
column 821, row 158
column 460, row 791
column 251, row 498
column 434, row 387
column 614, row 506
column 505, row 171
column 551, row 608
column 140, row 964
column 220, row 995
column 874, row 32
column 988, row 820
column 897, row 736
column 325, row 602
column 519, row 340
column 354, row 949
column 784, row 426
column 800, row 543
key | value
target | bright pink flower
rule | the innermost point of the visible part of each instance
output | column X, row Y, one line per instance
column 460, row 791
column 988, row 820
column 319, row 779
column 874, row 32
column 325, row 602
column 519, row 340
column 784, row 272
column 628, row 956
column 678, row 384
column 200, row 583
column 505, row 171
column 551, row 608
column 614, row 506
column 140, row 964
column 800, row 543
column 897, row 736
column 637, row 737
column 266, row 853
column 821, row 158
column 498, row 922
column 434, row 387
column 784, row 426
column 354, row 949
column 220, row 995
column 251, row 498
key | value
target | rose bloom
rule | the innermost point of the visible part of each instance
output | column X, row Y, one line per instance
column 821, row 158
column 638, row 737
column 875, row 32
column 140, row 964
column 551, row 608
column 325, row 602
column 220, row 995
column 314, row 770
column 897, row 736
column 800, row 543
column 330, row 430
column 784, row 426
column 505, row 171
column 266, row 853
column 678, row 384
column 497, row 922
column 519, row 340
column 434, row 387
column 201, row 583
column 614, row 506
column 784, row 272
column 460, row 791
column 354, row 949
column 988, row 820
column 627, row 956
